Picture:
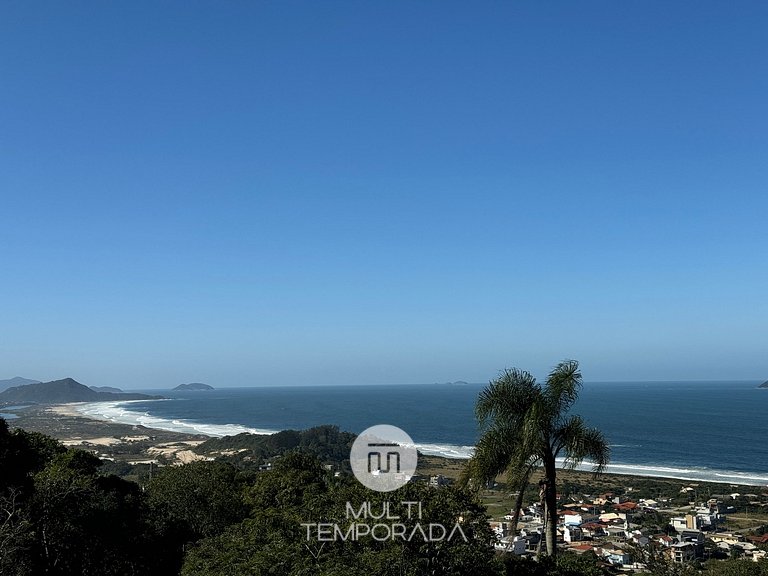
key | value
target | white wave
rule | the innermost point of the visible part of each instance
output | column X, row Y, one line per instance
column 446, row 450
column 119, row 413
column 690, row 474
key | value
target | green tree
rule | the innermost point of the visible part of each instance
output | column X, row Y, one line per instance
column 736, row 567
column 86, row 523
column 525, row 425
column 191, row 502
column 298, row 491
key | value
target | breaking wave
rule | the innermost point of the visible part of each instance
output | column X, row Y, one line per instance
column 120, row 413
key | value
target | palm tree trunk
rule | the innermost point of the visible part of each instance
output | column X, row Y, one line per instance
column 550, row 496
column 518, row 506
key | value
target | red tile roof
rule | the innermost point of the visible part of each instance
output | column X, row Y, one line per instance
column 758, row 539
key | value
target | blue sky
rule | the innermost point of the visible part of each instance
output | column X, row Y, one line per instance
column 256, row 193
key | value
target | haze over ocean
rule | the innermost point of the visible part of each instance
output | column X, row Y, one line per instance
column 689, row 430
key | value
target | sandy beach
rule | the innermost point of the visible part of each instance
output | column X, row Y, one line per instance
column 133, row 444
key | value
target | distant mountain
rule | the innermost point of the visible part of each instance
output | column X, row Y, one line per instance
column 194, row 386
column 764, row 384
column 63, row 391
column 106, row 389
column 17, row 381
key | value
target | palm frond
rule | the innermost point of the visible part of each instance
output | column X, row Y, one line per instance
column 506, row 398
column 579, row 443
column 496, row 450
column 563, row 385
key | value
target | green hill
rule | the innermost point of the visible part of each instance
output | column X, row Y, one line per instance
column 63, row 391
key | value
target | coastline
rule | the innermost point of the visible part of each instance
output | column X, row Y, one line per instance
column 111, row 441
column 139, row 444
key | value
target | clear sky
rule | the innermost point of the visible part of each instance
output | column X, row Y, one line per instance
column 252, row 193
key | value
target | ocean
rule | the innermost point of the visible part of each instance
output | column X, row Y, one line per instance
column 712, row 431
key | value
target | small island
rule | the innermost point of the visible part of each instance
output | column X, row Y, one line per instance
column 194, row 386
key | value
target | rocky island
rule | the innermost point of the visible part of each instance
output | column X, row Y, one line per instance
column 195, row 386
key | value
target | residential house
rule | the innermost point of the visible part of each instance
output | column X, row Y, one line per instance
column 682, row 552
column 614, row 554
column 513, row 545
column 758, row 539
column 726, row 537
column 593, row 530
column 568, row 517
column 572, row 533
column 501, row 529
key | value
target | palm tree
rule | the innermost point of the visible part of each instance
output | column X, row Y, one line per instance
column 524, row 426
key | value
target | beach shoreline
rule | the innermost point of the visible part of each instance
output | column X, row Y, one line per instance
column 132, row 444
column 137, row 444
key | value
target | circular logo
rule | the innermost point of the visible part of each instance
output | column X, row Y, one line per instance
column 383, row 458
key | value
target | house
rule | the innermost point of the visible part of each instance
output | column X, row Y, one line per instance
column 571, row 517
column 613, row 554
column 726, row 537
column 532, row 540
column 689, row 522
column 603, row 499
column 513, row 545
column 536, row 512
column 518, row 546
column 758, row 555
column 626, row 507
column 696, row 539
column 758, row 539
column 616, row 532
column 438, row 481
column 745, row 546
column 638, row 538
column 572, row 534
column 501, row 529
column 682, row 552
column 593, row 530
column 695, row 536
column 666, row 541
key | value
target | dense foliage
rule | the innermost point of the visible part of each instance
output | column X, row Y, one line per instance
column 61, row 515
column 328, row 443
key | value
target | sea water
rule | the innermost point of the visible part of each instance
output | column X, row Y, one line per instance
column 712, row 431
